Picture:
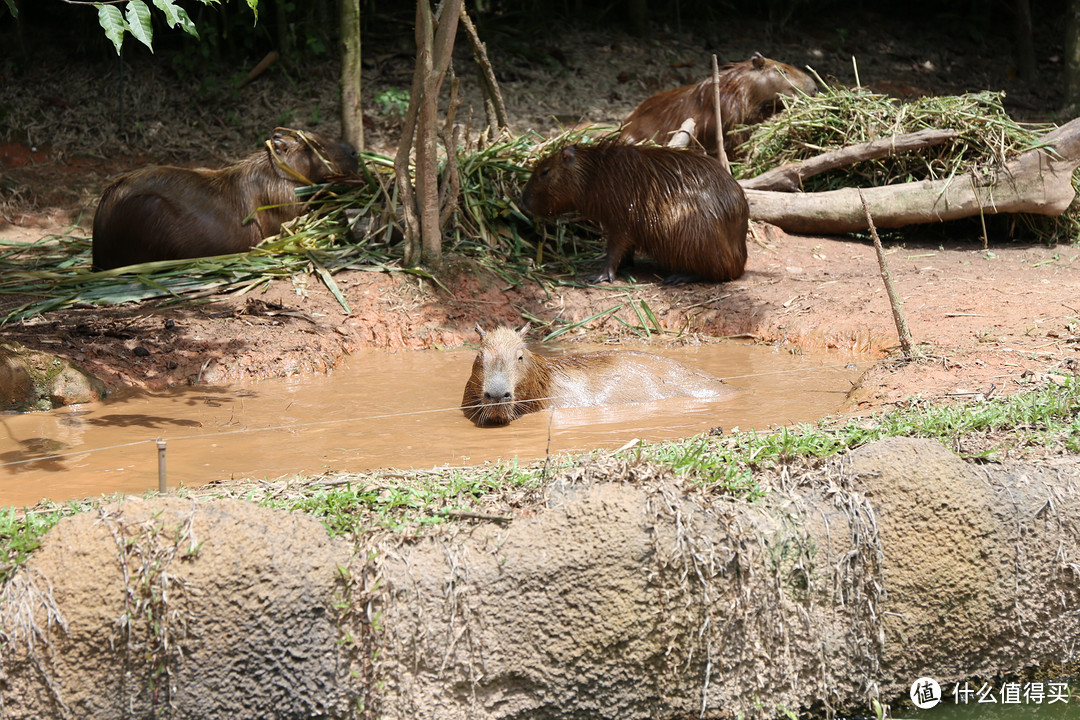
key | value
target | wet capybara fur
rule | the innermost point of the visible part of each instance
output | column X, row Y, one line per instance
column 681, row 208
column 508, row 380
column 168, row 213
column 749, row 93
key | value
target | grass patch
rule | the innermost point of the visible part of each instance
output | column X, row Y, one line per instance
column 21, row 531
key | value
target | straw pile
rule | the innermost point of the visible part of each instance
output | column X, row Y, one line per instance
column 839, row 117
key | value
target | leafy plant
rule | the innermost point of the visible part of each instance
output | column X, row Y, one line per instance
column 136, row 19
column 392, row 102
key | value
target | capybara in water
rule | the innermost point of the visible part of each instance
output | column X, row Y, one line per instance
column 681, row 208
column 508, row 380
column 168, row 213
column 749, row 92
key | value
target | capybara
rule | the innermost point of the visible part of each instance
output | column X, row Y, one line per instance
column 168, row 213
column 749, row 93
column 508, row 380
column 680, row 207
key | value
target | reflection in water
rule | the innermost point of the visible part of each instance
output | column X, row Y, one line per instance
column 384, row 410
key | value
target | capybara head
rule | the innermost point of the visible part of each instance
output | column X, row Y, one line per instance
column 765, row 81
column 556, row 183
column 310, row 158
column 506, row 378
column 749, row 92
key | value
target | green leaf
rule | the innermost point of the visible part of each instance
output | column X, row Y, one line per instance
column 12, row 7
column 112, row 22
column 177, row 16
column 138, row 20
column 254, row 5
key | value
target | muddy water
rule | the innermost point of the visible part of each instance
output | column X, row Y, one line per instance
column 382, row 410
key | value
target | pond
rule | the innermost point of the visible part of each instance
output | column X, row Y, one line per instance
column 382, row 409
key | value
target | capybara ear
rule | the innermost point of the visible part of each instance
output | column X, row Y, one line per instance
column 758, row 60
column 568, row 154
column 480, row 330
column 525, row 328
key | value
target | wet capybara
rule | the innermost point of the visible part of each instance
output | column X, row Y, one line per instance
column 680, row 207
column 749, row 93
column 168, row 213
column 508, row 380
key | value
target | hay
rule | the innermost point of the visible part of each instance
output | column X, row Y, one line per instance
column 839, row 117
column 349, row 226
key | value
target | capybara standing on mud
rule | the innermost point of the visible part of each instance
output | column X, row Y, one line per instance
column 508, row 380
column 749, row 93
column 168, row 213
column 681, row 208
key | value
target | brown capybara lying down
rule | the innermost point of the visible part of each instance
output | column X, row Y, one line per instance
column 681, row 208
column 749, row 93
column 508, row 380
column 168, row 213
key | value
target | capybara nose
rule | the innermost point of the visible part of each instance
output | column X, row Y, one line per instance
column 496, row 397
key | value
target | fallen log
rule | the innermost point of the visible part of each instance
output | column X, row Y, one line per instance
column 1038, row 181
column 789, row 177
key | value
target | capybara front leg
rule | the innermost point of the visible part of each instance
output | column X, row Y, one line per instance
column 616, row 250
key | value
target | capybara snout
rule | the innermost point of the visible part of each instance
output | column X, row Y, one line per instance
column 169, row 213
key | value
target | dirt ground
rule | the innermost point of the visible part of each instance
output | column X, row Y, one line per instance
column 988, row 320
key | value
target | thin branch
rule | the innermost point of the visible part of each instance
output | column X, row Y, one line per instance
column 497, row 109
column 721, row 153
column 906, row 343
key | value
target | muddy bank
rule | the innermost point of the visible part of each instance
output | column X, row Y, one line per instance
column 620, row 593
column 987, row 318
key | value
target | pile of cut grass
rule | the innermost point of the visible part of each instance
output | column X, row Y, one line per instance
column 349, row 226
column 839, row 117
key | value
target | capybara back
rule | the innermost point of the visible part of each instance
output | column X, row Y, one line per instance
column 681, row 208
column 749, row 92
column 168, row 213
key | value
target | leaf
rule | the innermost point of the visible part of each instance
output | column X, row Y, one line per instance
column 254, row 5
column 12, row 7
column 177, row 16
column 112, row 22
column 138, row 20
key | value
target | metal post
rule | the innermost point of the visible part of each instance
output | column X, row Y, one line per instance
column 162, row 485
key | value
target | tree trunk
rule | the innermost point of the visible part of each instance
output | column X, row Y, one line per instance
column 1035, row 182
column 284, row 40
column 638, row 14
column 352, row 116
column 1025, row 45
column 434, row 49
column 1072, row 57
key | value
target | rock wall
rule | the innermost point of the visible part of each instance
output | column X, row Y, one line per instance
column 629, row 594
